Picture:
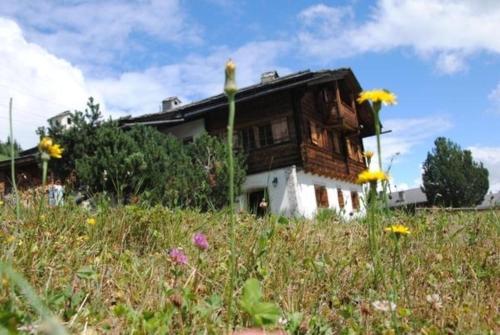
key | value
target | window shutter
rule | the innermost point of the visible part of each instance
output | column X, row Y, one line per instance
column 321, row 196
column 314, row 133
column 349, row 149
column 340, row 196
column 280, row 130
column 355, row 200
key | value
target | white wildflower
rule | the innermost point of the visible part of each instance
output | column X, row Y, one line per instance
column 384, row 305
column 434, row 300
column 282, row 321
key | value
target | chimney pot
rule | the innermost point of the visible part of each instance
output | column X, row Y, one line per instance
column 170, row 103
column 269, row 76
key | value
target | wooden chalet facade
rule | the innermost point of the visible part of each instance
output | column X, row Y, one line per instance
column 302, row 133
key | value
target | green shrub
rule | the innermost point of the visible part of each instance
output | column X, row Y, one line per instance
column 143, row 162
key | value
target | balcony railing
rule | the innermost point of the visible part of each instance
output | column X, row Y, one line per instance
column 342, row 117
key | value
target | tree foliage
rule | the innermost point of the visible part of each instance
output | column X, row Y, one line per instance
column 5, row 149
column 451, row 177
column 143, row 162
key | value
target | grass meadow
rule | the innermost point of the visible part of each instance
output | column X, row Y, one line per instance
column 113, row 274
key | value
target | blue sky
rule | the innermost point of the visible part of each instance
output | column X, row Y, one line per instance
column 438, row 56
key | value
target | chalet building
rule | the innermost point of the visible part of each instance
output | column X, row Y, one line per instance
column 302, row 133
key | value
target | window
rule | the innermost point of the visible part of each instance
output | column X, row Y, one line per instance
column 68, row 120
column 280, row 130
column 354, row 149
column 340, row 196
column 321, row 196
column 246, row 139
column 355, row 200
column 265, row 135
column 320, row 136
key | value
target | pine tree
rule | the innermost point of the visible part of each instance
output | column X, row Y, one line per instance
column 451, row 177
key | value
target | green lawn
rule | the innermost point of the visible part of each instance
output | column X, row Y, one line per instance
column 116, row 276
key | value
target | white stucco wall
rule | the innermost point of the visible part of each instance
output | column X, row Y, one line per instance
column 282, row 197
column 193, row 129
column 294, row 194
column 307, row 195
column 62, row 119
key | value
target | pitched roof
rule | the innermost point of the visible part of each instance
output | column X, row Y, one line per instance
column 306, row 78
column 411, row 196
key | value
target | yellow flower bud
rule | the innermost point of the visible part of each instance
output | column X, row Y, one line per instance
column 230, row 83
column 368, row 154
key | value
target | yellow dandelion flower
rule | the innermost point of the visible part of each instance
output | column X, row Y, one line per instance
column 368, row 176
column 45, row 144
column 398, row 229
column 49, row 149
column 381, row 96
column 91, row 221
column 55, row 151
column 368, row 154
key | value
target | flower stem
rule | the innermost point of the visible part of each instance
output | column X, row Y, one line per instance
column 232, row 235
column 377, row 133
column 12, row 164
column 394, row 283
column 45, row 163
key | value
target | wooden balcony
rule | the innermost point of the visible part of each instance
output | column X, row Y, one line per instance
column 342, row 117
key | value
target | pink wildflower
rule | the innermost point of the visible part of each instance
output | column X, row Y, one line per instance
column 178, row 256
column 200, row 240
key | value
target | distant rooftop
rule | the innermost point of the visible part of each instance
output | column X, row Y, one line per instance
column 59, row 115
column 490, row 200
column 411, row 196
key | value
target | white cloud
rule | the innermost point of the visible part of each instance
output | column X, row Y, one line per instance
column 40, row 84
column 195, row 78
column 490, row 156
column 92, row 33
column 494, row 98
column 449, row 63
column 406, row 134
column 43, row 85
column 452, row 30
